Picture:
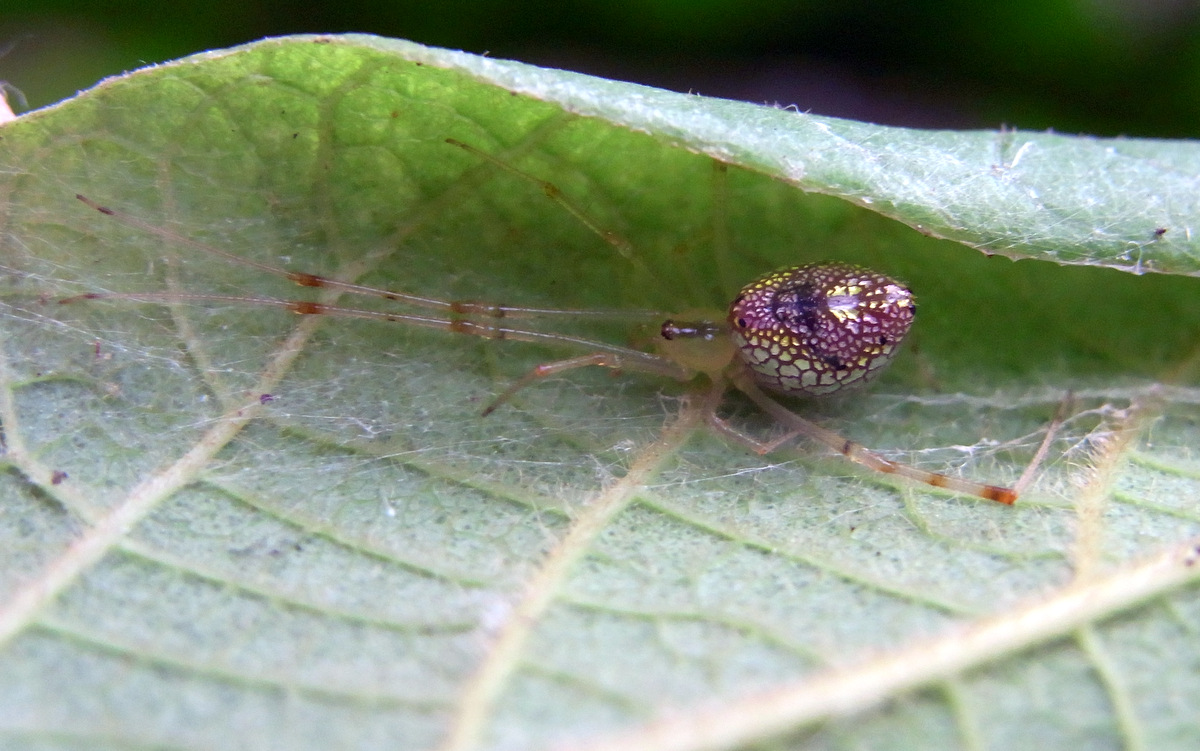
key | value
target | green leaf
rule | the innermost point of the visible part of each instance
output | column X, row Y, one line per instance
column 223, row 525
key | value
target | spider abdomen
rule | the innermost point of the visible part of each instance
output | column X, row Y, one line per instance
column 816, row 329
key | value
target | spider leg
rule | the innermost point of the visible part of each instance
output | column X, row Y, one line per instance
column 617, row 360
column 1056, row 423
column 856, row 452
column 722, row 426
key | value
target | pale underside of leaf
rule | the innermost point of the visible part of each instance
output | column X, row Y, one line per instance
column 228, row 527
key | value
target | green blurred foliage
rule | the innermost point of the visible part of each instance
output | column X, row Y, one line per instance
column 1109, row 67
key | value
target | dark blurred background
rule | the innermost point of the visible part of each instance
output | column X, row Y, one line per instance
column 1106, row 67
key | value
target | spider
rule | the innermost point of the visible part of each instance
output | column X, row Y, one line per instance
column 806, row 331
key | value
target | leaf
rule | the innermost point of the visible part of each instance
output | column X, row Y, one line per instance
column 225, row 526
